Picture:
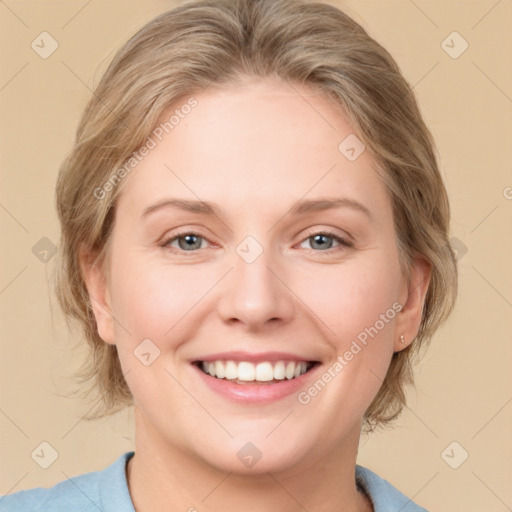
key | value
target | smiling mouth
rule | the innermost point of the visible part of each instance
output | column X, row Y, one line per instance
column 245, row 372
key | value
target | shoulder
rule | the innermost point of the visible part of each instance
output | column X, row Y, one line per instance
column 385, row 497
column 103, row 490
column 79, row 493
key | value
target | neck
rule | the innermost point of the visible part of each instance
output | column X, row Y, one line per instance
column 163, row 477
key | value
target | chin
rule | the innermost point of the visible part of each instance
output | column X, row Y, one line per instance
column 255, row 454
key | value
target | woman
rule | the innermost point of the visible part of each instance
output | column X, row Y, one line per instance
column 255, row 241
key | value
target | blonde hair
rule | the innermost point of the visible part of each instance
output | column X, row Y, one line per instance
column 201, row 43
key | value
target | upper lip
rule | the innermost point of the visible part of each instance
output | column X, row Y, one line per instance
column 252, row 357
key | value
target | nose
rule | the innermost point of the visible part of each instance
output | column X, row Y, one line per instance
column 255, row 294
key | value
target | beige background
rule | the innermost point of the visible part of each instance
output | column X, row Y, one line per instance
column 464, row 391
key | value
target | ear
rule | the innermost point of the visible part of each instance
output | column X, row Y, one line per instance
column 412, row 298
column 97, row 288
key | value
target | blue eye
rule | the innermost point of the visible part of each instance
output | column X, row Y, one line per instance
column 320, row 242
column 186, row 241
column 324, row 241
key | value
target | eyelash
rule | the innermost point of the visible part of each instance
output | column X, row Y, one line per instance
column 343, row 243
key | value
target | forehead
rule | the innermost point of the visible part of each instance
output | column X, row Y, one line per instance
column 261, row 142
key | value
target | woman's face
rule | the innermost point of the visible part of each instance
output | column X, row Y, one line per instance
column 254, row 278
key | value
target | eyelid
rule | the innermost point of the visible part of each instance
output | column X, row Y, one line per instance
column 167, row 239
column 345, row 242
column 329, row 231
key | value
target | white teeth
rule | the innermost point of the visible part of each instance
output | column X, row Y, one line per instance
column 264, row 372
column 279, row 371
column 231, row 370
column 290, row 370
column 261, row 372
column 246, row 371
column 219, row 369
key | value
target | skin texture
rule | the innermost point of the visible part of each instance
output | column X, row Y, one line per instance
column 255, row 150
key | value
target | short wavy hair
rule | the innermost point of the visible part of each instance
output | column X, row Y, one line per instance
column 201, row 43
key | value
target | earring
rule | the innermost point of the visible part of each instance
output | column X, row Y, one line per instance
column 402, row 338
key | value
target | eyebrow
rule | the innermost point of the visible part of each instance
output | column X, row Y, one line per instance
column 299, row 208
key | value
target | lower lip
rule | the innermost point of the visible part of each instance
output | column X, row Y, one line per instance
column 256, row 393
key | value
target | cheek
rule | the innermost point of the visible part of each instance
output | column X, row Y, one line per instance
column 350, row 298
column 151, row 300
column 358, row 308
column 358, row 304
